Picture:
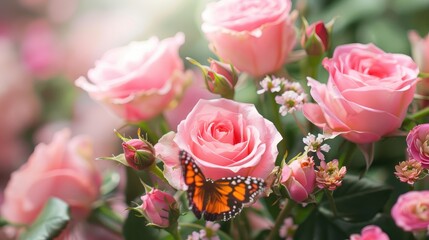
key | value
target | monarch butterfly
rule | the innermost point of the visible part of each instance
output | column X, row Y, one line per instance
column 217, row 200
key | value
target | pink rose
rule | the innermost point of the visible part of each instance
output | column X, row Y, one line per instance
column 140, row 80
column 156, row 207
column 299, row 178
column 418, row 144
column 19, row 105
column 255, row 36
column 64, row 169
column 41, row 52
column 367, row 94
column 420, row 50
column 420, row 53
column 226, row 138
column 411, row 211
column 370, row 232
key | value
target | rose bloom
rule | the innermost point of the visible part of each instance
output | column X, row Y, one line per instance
column 370, row 232
column 64, row 169
column 411, row 211
column 420, row 53
column 299, row 178
column 19, row 105
column 417, row 144
column 226, row 138
column 255, row 36
column 156, row 207
column 41, row 52
column 367, row 93
column 140, row 80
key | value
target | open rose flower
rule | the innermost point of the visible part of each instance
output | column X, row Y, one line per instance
column 411, row 211
column 226, row 138
column 140, row 80
column 418, row 144
column 64, row 169
column 367, row 94
column 370, row 232
column 255, row 36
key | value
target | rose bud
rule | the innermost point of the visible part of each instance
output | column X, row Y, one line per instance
column 316, row 38
column 220, row 78
column 139, row 153
column 159, row 208
column 299, row 178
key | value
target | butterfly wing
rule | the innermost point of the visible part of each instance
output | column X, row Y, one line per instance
column 195, row 181
column 217, row 200
column 229, row 195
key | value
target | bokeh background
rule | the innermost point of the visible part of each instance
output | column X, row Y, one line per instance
column 45, row 45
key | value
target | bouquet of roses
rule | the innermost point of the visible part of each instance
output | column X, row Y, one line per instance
column 280, row 149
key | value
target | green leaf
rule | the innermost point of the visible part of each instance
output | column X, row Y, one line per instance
column 135, row 228
column 110, row 183
column 358, row 199
column 319, row 227
column 119, row 158
column 105, row 216
column 3, row 222
column 53, row 218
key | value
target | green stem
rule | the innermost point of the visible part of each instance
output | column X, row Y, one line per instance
column 221, row 233
column 280, row 219
column 107, row 218
column 298, row 123
column 331, row 201
column 420, row 114
column 175, row 234
column 312, row 66
column 157, row 172
column 423, row 75
column 163, row 125
column 276, row 117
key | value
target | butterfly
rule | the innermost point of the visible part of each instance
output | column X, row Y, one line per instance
column 217, row 200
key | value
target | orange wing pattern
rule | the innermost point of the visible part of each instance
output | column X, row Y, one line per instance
column 217, row 200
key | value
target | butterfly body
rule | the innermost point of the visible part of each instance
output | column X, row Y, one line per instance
column 220, row 199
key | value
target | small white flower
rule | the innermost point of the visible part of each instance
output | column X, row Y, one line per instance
column 315, row 145
column 292, row 86
column 269, row 84
column 290, row 101
column 210, row 232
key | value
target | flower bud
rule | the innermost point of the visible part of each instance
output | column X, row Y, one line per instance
column 316, row 38
column 228, row 71
column 299, row 178
column 220, row 78
column 139, row 153
column 159, row 208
